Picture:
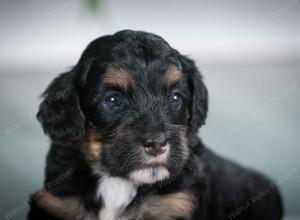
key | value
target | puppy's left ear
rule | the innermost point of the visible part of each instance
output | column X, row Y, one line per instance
column 198, row 105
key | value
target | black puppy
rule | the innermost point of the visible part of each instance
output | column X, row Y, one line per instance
column 123, row 125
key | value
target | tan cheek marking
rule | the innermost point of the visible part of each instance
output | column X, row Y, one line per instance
column 93, row 145
column 118, row 77
column 172, row 75
column 180, row 205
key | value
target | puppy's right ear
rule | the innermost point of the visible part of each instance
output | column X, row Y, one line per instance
column 60, row 113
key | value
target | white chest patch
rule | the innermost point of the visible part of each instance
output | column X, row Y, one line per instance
column 116, row 194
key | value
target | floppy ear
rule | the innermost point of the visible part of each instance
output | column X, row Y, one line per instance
column 198, row 105
column 60, row 113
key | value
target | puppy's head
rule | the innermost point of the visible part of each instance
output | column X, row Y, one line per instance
column 130, row 104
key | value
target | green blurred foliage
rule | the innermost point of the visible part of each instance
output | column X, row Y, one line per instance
column 93, row 5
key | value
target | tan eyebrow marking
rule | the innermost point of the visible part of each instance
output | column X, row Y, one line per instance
column 172, row 75
column 118, row 77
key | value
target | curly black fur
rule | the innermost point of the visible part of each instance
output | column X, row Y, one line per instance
column 73, row 105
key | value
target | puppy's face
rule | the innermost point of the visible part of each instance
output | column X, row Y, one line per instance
column 139, row 116
column 138, row 103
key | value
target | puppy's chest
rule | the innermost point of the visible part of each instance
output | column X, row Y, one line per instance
column 116, row 194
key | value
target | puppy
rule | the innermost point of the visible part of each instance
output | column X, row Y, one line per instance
column 123, row 126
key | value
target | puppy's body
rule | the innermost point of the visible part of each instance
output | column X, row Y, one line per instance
column 125, row 121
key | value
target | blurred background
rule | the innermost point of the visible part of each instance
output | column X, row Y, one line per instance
column 248, row 52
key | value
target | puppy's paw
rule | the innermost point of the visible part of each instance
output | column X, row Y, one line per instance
column 168, row 207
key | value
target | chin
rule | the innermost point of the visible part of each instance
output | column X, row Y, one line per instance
column 149, row 175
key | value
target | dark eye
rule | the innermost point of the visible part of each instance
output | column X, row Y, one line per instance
column 113, row 101
column 175, row 99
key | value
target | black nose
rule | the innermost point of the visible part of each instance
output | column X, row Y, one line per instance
column 155, row 146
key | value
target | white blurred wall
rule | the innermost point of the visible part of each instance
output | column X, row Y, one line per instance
column 248, row 52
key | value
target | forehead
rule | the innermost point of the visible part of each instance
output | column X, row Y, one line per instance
column 147, row 63
column 142, row 60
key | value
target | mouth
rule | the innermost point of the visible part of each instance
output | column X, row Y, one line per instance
column 153, row 169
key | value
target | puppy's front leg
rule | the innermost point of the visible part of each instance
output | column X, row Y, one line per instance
column 168, row 207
